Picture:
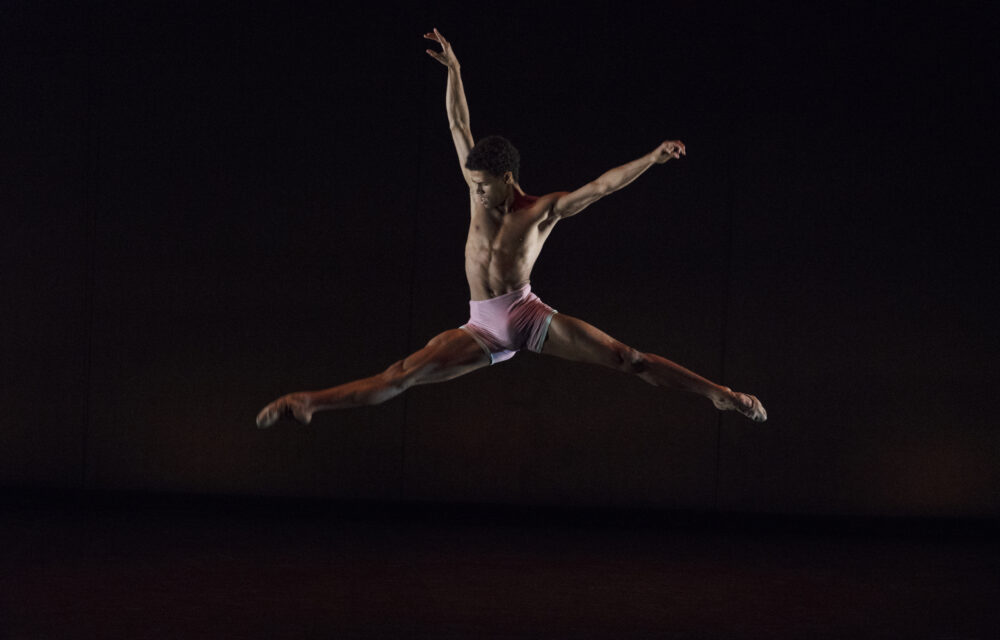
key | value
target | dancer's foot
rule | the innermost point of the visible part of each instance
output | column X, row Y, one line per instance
column 751, row 407
column 295, row 404
column 745, row 403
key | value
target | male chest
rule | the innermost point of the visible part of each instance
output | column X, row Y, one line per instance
column 510, row 233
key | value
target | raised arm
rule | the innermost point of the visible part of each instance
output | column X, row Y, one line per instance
column 458, row 108
column 570, row 203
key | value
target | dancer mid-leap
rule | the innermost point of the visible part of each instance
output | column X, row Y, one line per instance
column 506, row 234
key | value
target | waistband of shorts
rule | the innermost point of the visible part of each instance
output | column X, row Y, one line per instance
column 505, row 298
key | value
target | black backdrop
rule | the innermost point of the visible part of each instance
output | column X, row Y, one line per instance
column 206, row 205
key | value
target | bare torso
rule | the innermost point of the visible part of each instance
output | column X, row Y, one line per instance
column 502, row 247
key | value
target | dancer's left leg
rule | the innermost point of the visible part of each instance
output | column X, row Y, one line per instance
column 574, row 339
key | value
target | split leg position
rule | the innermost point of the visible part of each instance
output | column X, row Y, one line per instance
column 455, row 353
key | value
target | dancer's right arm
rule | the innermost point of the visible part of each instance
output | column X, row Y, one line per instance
column 458, row 108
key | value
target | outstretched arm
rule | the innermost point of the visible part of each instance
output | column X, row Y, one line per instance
column 570, row 203
column 458, row 108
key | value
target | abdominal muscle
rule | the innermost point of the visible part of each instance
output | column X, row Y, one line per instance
column 494, row 272
column 500, row 253
column 491, row 273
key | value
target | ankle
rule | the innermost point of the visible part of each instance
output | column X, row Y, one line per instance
column 725, row 394
column 723, row 397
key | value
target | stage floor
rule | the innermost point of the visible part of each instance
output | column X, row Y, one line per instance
column 175, row 567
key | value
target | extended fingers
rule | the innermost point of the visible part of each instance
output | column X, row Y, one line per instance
column 445, row 45
column 437, row 37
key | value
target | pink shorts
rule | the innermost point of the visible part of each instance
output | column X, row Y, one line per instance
column 506, row 324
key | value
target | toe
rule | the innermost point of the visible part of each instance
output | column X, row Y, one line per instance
column 267, row 417
column 751, row 407
column 757, row 411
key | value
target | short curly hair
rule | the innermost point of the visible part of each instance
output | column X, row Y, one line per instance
column 496, row 155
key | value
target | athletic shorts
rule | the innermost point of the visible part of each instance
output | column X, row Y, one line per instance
column 508, row 323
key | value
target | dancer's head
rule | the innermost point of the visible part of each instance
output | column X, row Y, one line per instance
column 497, row 156
column 493, row 165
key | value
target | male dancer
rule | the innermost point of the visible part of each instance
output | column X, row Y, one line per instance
column 507, row 231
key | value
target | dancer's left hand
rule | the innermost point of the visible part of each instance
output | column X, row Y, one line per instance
column 669, row 150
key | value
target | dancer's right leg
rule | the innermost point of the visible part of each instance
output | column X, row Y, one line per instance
column 449, row 355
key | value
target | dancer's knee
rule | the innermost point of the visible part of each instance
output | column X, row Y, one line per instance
column 393, row 381
column 630, row 360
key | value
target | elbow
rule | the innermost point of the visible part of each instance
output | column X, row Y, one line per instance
column 602, row 187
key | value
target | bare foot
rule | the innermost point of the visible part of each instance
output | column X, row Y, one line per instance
column 745, row 403
column 751, row 407
column 296, row 404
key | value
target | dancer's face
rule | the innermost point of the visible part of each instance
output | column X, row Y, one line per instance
column 491, row 190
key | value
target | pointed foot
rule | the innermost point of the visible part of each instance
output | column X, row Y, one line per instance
column 751, row 407
column 746, row 404
column 296, row 405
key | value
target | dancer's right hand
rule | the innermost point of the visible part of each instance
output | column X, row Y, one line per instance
column 446, row 56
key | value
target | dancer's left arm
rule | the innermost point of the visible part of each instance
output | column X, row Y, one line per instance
column 570, row 203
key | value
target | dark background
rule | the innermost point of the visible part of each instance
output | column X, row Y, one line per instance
column 206, row 205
